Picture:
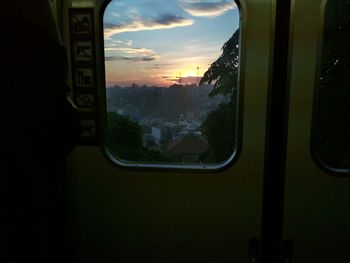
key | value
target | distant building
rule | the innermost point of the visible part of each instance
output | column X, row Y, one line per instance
column 182, row 120
column 158, row 133
column 165, row 132
column 147, row 138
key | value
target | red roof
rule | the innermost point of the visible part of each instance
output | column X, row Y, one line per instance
column 187, row 145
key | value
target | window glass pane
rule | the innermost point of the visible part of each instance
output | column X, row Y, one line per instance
column 171, row 70
column 331, row 128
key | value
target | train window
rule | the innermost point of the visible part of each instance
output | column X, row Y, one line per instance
column 330, row 140
column 171, row 74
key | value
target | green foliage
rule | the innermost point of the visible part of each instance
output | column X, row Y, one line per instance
column 219, row 126
column 125, row 141
column 224, row 70
column 219, row 129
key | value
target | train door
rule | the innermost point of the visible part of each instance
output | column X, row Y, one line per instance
column 316, row 216
column 146, row 214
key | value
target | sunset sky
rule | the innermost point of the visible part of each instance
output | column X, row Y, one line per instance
column 154, row 42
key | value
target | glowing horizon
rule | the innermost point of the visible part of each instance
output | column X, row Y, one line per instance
column 149, row 42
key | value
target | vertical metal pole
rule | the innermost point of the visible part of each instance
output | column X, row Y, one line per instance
column 276, row 139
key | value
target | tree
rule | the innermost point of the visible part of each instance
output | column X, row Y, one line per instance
column 219, row 126
column 219, row 129
column 224, row 71
column 125, row 141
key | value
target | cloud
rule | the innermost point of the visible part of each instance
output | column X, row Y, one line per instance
column 132, row 50
column 116, row 43
column 183, row 80
column 111, row 42
column 139, row 24
column 208, row 8
column 172, row 79
column 128, row 42
column 129, row 59
column 131, row 54
column 158, row 66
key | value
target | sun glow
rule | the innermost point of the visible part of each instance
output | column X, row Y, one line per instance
column 185, row 75
column 166, row 45
column 190, row 73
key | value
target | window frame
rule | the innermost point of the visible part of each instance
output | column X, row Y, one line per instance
column 201, row 168
column 328, row 169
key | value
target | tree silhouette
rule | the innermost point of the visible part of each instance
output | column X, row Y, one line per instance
column 224, row 70
column 125, row 141
column 219, row 126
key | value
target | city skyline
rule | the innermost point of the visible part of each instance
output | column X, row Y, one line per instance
column 150, row 42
